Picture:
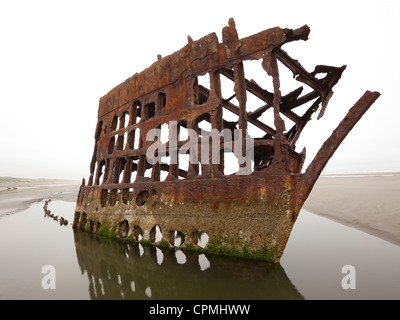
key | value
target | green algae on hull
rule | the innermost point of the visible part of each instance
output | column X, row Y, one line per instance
column 107, row 231
column 219, row 246
column 241, row 249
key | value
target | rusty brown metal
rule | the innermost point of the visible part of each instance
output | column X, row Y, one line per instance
column 248, row 215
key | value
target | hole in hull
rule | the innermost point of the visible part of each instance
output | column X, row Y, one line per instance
column 123, row 229
column 141, row 198
column 155, row 234
column 137, row 233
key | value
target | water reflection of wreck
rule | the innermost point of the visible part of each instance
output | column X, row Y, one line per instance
column 120, row 270
column 245, row 215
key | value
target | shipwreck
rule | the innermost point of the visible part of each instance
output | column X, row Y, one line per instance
column 196, row 204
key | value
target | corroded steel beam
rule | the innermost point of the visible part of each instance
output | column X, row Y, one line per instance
column 338, row 135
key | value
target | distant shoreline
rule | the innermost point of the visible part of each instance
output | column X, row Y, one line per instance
column 18, row 194
column 361, row 174
column 10, row 180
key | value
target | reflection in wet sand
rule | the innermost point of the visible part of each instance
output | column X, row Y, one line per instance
column 124, row 270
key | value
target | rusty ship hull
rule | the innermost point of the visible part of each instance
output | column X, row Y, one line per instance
column 249, row 215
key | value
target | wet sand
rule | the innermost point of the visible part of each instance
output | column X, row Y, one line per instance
column 16, row 195
column 370, row 203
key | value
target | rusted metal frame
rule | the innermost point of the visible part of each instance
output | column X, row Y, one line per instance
column 302, row 75
column 113, row 169
column 291, row 96
column 234, row 109
column 259, row 92
column 333, row 142
column 289, row 99
column 181, row 172
column 259, row 124
column 108, row 170
column 119, row 167
column 141, row 152
column 136, row 153
column 286, row 107
column 142, row 158
column 322, row 87
column 99, row 172
column 193, row 169
column 263, row 95
column 184, row 124
column 217, row 123
column 289, row 114
column 231, row 125
column 127, row 148
column 252, row 87
column 222, row 150
column 93, row 164
column 120, row 140
column 107, row 166
column 204, row 112
column 190, row 56
column 298, row 128
column 231, row 97
column 133, row 153
column 274, row 72
column 201, row 166
column 292, row 116
column 130, row 130
column 173, row 170
column 240, row 90
column 198, row 166
column 259, row 111
column 196, row 94
column 214, row 117
column 130, row 167
column 301, row 33
column 156, row 168
column 128, row 170
column 166, row 167
column 281, row 148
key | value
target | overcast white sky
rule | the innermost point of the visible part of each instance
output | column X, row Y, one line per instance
column 57, row 58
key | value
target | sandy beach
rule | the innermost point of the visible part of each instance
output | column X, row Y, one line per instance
column 18, row 194
column 370, row 202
